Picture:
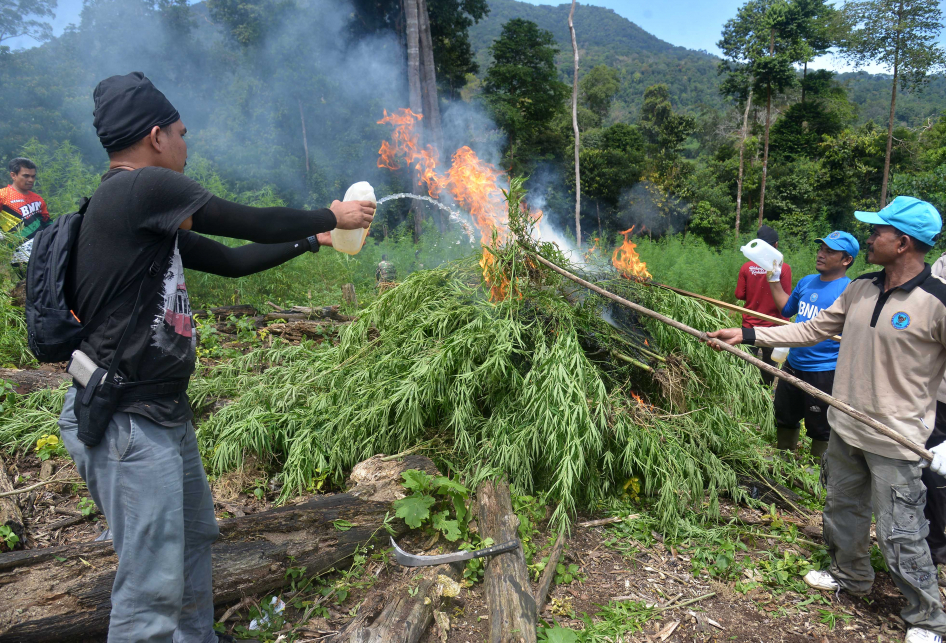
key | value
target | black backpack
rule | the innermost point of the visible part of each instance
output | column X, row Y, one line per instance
column 53, row 329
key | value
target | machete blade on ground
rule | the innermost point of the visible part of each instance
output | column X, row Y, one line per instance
column 410, row 560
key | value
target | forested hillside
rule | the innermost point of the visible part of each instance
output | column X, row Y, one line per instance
column 606, row 38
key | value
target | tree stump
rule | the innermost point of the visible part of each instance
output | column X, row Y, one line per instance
column 349, row 296
column 405, row 617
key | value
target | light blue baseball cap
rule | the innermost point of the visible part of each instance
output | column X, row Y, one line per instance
column 839, row 240
column 910, row 216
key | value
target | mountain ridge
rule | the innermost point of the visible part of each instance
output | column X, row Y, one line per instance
column 642, row 59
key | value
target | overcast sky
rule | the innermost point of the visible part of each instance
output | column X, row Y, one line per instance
column 695, row 24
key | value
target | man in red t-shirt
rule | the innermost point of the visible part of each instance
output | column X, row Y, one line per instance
column 22, row 212
column 753, row 288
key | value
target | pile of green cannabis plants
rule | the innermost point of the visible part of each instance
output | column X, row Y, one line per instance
column 488, row 387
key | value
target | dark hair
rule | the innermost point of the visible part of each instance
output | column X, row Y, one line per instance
column 919, row 245
column 847, row 255
column 767, row 234
column 19, row 163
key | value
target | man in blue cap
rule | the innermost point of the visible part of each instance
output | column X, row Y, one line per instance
column 890, row 364
column 812, row 364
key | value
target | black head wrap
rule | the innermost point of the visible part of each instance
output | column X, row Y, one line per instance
column 767, row 234
column 126, row 108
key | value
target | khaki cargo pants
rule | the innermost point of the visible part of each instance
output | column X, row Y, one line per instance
column 857, row 482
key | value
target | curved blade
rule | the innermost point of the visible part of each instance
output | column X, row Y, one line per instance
column 410, row 560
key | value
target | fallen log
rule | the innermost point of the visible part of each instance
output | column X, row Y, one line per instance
column 63, row 593
column 405, row 616
column 224, row 312
column 512, row 610
column 294, row 331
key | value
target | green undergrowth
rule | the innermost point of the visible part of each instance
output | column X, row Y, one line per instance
column 14, row 351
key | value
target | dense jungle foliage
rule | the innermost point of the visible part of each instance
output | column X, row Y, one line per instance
column 270, row 107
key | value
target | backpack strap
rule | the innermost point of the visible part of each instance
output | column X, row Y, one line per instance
column 151, row 277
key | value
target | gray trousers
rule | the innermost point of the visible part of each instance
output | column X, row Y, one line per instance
column 149, row 482
column 857, row 482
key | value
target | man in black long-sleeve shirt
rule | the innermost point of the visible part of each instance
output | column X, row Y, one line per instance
column 146, row 474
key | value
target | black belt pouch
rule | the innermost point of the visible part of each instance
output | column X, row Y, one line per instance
column 95, row 406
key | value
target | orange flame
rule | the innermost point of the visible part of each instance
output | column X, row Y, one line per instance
column 593, row 249
column 473, row 184
column 640, row 401
column 627, row 261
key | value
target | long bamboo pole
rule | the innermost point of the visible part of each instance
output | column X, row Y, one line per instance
column 845, row 408
column 726, row 304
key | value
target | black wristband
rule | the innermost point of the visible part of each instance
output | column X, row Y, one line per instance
column 748, row 336
column 314, row 244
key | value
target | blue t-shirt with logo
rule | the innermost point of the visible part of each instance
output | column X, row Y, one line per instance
column 809, row 298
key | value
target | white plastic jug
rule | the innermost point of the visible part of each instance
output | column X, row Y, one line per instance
column 779, row 353
column 350, row 241
column 762, row 254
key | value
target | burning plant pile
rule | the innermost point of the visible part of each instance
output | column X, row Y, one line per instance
column 527, row 384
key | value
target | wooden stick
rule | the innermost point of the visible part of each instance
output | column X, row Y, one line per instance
column 606, row 521
column 246, row 602
column 684, row 603
column 727, row 305
column 40, row 484
column 548, row 574
column 845, row 408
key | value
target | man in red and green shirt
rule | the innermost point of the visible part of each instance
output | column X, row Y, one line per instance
column 22, row 212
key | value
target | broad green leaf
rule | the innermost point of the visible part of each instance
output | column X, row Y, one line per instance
column 416, row 480
column 449, row 528
column 459, row 506
column 559, row 635
column 445, row 485
column 414, row 509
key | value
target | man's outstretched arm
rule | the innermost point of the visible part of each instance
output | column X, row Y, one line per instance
column 207, row 255
column 828, row 323
column 276, row 224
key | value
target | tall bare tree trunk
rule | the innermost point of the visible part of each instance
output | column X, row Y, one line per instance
column 768, row 121
column 433, row 129
column 415, row 100
column 804, row 77
column 571, row 28
column 428, row 79
column 742, row 150
column 893, row 106
column 305, row 140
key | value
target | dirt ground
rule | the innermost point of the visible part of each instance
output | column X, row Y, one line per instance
column 689, row 608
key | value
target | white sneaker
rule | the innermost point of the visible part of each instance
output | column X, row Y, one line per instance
column 919, row 635
column 824, row 580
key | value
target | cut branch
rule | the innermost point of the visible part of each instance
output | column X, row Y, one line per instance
column 548, row 574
